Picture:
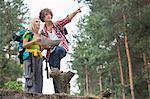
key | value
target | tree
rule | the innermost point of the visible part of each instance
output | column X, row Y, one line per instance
column 97, row 39
column 12, row 16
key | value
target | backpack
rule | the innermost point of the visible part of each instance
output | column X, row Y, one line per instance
column 18, row 36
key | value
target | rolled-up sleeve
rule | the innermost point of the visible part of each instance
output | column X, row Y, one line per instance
column 64, row 21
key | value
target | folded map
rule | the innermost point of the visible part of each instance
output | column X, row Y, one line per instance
column 47, row 42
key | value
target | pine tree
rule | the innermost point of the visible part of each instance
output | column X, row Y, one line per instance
column 12, row 15
column 97, row 44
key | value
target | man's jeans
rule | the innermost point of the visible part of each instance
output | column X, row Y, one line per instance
column 54, row 61
column 56, row 56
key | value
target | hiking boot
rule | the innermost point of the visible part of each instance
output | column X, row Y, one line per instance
column 55, row 72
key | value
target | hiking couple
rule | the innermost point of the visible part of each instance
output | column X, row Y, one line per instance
column 33, row 64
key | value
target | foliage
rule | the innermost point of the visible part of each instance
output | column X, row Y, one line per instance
column 13, row 15
column 96, row 43
column 13, row 85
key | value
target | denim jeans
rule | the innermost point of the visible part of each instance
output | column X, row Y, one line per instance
column 56, row 56
column 34, row 74
column 54, row 61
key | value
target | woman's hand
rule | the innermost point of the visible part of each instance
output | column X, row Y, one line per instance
column 37, row 39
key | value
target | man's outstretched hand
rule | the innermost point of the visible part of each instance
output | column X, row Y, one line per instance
column 79, row 10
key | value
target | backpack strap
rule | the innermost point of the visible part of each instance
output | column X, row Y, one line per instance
column 62, row 32
column 44, row 31
column 58, row 28
column 30, row 33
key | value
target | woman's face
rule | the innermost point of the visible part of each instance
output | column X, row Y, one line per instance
column 37, row 23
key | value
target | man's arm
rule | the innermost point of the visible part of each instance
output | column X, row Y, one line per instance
column 68, row 19
column 70, row 16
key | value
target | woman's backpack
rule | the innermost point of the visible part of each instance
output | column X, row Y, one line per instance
column 19, row 38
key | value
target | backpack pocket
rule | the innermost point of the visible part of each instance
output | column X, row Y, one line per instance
column 29, row 80
column 26, row 55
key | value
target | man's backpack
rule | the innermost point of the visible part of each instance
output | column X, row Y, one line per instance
column 19, row 38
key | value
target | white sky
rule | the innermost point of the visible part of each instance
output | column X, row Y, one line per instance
column 60, row 9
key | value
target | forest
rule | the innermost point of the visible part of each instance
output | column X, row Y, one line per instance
column 111, row 50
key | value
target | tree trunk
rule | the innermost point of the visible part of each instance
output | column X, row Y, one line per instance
column 100, row 81
column 99, row 71
column 129, row 58
column 145, row 58
column 148, row 1
column 121, row 67
column 86, row 81
column 111, row 80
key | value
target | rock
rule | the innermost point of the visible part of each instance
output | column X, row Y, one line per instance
column 62, row 80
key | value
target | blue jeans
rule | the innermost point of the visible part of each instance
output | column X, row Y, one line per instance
column 56, row 56
column 54, row 61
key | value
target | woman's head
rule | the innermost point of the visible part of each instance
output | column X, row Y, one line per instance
column 35, row 24
column 45, row 12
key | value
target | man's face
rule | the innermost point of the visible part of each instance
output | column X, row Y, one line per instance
column 47, row 17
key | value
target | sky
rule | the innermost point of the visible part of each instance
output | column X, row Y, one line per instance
column 60, row 9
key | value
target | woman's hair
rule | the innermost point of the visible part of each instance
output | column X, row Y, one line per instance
column 32, row 25
column 44, row 12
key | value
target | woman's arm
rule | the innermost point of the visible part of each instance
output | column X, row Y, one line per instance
column 27, row 43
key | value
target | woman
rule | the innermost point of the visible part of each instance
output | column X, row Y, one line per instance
column 33, row 63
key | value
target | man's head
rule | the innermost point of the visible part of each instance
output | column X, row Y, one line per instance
column 45, row 12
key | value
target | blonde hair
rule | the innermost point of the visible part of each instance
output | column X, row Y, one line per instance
column 32, row 25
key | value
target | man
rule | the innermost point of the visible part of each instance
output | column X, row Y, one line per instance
column 50, row 30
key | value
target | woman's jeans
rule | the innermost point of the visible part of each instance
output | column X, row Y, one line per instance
column 56, row 56
column 34, row 74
